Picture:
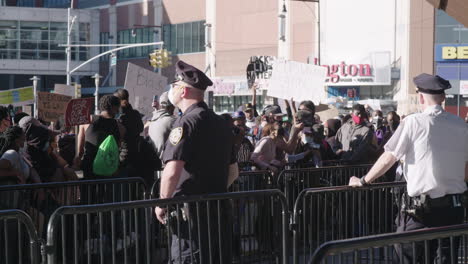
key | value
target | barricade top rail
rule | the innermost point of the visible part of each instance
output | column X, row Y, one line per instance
column 106, row 207
column 347, row 245
column 327, row 167
column 23, row 218
column 248, row 173
column 373, row 186
column 71, row 183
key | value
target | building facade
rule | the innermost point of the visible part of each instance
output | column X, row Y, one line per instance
column 451, row 60
column 30, row 40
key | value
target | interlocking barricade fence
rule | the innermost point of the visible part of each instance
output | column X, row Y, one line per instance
column 19, row 241
column 247, row 181
column 253, row 180
column 242, row 227
column 333, row 213
column 41, row 200
column 293, row 181
column 421, row 246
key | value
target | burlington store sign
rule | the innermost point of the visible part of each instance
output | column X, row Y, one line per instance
column 372, row 71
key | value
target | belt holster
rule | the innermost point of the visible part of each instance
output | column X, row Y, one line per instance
column 177, row 216
column 416, row 206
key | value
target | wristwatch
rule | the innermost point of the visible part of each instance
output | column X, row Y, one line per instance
column 363, row 181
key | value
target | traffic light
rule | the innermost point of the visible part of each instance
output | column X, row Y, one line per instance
column 160, row 58
column 166, row 58
column 155, row 59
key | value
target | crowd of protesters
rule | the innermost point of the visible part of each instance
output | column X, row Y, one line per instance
column 32, row 151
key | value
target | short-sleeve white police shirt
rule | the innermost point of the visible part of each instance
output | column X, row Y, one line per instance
column 433, row 146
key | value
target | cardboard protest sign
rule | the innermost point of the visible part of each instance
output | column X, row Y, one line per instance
column 68, row 90
column 17, row 97
column 78, row 112
column 142, row 86
column 51, row 107
column 291, row 79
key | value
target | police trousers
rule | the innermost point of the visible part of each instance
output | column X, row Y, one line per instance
column 435, row 218
column 204, row 236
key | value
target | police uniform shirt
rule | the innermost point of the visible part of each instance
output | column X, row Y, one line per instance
column 434, row 148
column 203, row 141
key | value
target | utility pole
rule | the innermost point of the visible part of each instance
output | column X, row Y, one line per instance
column 70, row 22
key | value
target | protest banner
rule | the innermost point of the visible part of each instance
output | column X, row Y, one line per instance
column 143, row 85
column 51, row 107
column 79, row 111
column 291, row 79
column 17, row 97
column 68, row 90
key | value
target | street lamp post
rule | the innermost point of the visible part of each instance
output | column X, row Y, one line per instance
column 35, row 79
column 70, row 22
column 96, row 78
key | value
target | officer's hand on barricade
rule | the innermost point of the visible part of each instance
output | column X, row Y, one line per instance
column 355, row 182
column 161, row 214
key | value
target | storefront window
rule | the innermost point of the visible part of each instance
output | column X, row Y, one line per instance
column 230, row 104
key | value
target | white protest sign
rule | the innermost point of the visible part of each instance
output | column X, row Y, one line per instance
column 291, row 79
column 68, row 90
column 463, row 87
column 143, row 85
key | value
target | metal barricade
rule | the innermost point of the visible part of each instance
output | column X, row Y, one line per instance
column 333, row 213
column 41, row 200
column 424, row 246
column 247, row 181
column 19, row 241
column 241, row 227
column 252, row 181
column 293, row 181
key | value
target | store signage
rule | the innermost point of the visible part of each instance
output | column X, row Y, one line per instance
column 451, row 53
column 346, row 73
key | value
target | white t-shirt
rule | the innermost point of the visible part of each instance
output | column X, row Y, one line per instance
column 17, row 162
column 434, row 148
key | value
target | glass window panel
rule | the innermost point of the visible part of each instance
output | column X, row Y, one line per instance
column 8, row 44
column 58, row 36
column 83, row 56
column 463, row 73
column 58, row 26
column 195, row 37
column 30, row 45
column 443, row 18
column 8, row 34
column 447, row 35
column 464, row 35
column 55, row 46
column 187, row 37
column 34, row 25
column 173, row 47
column 167, row 36
column 140, row 38
column 180, row 38
column 57, row 55
column 202, row 35
column 8, row 24
column 8, row 54
column 43, row 45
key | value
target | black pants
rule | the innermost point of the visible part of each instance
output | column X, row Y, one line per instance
column 435, row 218
column 205, row 237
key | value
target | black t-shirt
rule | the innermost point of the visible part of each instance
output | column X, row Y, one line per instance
column 96, row 133
column 204, row 141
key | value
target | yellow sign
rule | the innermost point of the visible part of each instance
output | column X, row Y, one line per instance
column 455, row 53
column 17, row 97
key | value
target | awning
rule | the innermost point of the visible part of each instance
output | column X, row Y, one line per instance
column 457, row 9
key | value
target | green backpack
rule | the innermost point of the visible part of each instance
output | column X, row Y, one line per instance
column 106, row 161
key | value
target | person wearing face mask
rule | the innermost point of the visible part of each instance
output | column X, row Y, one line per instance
column 197, row 158
column 354, row 138
column 102, row 126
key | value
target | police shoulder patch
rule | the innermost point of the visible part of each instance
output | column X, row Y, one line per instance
column 176, row 135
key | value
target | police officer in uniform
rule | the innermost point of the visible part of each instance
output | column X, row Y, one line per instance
column 433, row 146
column 197, row 157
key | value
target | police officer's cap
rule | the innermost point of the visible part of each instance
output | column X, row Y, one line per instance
column 430, row 84
column 192, row 76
